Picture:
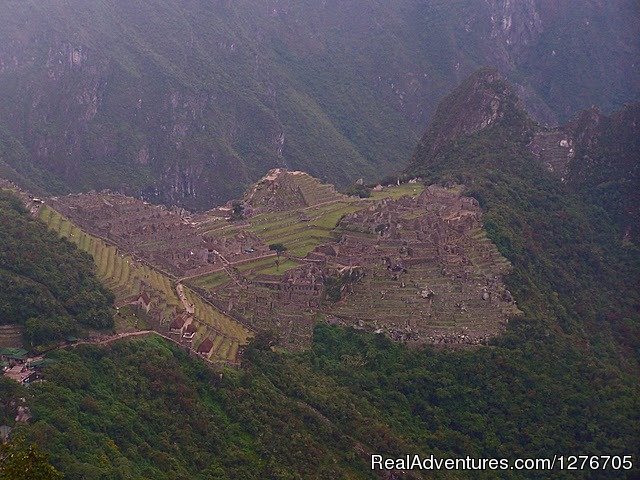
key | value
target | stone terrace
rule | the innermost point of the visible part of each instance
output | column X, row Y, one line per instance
column 166, row 238
column 419, row 269
column 431, row 273
column 282, row 190
column 285, row 304
column 422, row 271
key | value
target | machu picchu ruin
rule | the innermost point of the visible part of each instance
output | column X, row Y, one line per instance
column 412, row 263
column 157, row 295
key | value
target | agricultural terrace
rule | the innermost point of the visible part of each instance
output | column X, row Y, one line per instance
column 125, row 277
column 300, row 230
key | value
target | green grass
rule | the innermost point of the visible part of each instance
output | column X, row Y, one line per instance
column 285, row 265
column 212, row 280
column 263, row 262
column 302, row 236
column 113, row 269
column 399, row 191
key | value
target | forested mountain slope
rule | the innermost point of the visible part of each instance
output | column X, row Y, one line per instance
column 46, row 284
column 593, row 154
column 167, row 98
column 599, row 156
column 566, row 249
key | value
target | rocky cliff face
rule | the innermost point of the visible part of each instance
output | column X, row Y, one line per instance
column 479, row 102
column 188, row 103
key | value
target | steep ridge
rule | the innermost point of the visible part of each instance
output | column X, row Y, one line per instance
column 593, row 154
column 479, row 102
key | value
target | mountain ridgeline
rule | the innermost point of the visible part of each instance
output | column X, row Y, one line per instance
column 593, row 154
column 189, row 102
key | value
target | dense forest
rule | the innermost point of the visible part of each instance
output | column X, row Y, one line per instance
column 141, row 409
column 46, row 283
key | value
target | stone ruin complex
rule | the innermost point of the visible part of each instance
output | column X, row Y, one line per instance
column 169, row 239
column 416, row 269
column 430, row 273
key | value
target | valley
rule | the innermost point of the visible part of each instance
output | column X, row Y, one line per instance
column 190, row 103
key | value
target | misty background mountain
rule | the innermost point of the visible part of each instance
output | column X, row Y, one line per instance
column 187, row 101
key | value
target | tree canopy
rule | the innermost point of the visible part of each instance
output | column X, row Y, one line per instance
column 46, row 283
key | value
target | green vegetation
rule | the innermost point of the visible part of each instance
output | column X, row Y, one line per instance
column 120, row 273
column 237, row 212
column 46, row 283
column 278, row 248
column 399, row 191
column 302, row 230
column 21, row 462
column 605, row 168
column 213, row 280
column 255, row 264
column 358, row 190
column 561, row 379
column 570, row 270
column 144, row 409
column 211, row 316
column 278, row 268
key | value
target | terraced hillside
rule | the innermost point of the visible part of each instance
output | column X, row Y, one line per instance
column 283, row 190
column 429, row 271
column 228, row 336
column 302, row 229
column 127, row 278
column 428, row 297
column 412, row 263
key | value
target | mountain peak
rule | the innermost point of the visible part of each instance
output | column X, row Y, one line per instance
column 479, row 102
